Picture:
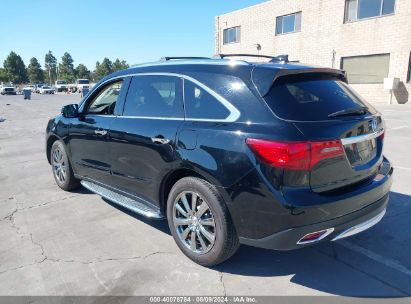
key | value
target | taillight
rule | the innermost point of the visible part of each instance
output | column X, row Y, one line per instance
column 294, row 155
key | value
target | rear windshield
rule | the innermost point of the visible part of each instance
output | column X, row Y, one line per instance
column 311, row 99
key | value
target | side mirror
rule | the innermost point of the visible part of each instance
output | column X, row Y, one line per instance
column 70, row 111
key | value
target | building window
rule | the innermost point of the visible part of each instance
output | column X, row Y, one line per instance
column 409, row 70
column 288, row 24
column 363, row 9
column 231, row 35
column 366, row 69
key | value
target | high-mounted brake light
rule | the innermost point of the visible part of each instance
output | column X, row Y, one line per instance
column 295, row 155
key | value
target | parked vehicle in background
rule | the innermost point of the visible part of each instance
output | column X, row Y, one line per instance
column 46, row 90
column 37, row 87
column 272, row 154
column 61, row 86
column 8, row 90
column 82, row 83
column 31, row 87
column 19, row 90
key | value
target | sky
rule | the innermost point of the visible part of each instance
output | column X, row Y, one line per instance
column 134, row 30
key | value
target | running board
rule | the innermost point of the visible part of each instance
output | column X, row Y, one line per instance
column 137, row 206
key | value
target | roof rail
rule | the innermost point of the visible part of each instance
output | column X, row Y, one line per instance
column 280, row 58
column 181, row 58
column 243, row 55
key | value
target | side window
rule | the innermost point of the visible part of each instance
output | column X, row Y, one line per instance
column 155, row 96
column 106, row 99
column 202, row 105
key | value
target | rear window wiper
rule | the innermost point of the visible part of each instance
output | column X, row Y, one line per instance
column 349, row 112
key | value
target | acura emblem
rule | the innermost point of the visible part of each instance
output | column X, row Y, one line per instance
column 374, row 125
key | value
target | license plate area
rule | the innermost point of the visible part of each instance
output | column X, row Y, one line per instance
column 360, row 153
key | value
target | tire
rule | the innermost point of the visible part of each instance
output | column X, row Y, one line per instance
column 184, row 222
column 61, row 167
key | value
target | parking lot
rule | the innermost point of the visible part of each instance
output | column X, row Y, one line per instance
column 59, row 243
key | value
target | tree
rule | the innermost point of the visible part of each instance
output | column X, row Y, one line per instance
column 119, row 65
column 34, row 71
column 15, row 68
column 3, row 75
column 66, row 68
column 50, row 64
column 81, row 71
column 102, row 69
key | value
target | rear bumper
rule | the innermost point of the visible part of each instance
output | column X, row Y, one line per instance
column 346, row 225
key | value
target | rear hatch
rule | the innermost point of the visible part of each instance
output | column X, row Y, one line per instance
column 324, row 108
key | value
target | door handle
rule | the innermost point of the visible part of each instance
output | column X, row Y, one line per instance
column 100, row 132
column 160, row 140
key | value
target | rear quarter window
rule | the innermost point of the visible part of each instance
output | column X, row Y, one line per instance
column 311, row 99
column 200, row 104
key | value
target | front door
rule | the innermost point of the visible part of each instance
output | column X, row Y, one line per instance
column 142, row 140
column 88, row 134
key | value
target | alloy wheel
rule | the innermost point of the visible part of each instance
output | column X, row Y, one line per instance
column 59, row 165
column 194, row 222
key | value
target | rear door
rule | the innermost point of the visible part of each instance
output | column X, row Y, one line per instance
column 142, row 139
column 326, row 108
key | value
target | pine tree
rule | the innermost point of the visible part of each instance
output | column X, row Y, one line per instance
column 15, row 69
column 34, row 71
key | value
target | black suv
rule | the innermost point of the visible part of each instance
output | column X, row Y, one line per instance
column 273, row 154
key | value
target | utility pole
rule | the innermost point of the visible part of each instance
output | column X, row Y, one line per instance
column 50, row 75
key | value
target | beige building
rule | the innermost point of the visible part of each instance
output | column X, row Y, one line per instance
column 370, row 39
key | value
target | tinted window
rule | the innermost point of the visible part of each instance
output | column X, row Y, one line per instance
column 105, row 101
column 201, row 104
column 154, row 96
column 366, row 69
column 308, row 99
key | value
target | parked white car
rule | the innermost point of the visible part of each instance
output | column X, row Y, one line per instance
column 31, row 87
column 61, row 86
column 82, row 83
column 37, row 87
column 7, row 90
column 46, row 90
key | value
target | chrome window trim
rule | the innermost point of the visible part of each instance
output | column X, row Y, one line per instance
column 356, row 139
column 232, row 117
column 151, row 117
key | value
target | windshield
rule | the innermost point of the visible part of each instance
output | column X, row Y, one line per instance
column 46, row 87
column 311, row 99
column 83, row 81
column 61, row 82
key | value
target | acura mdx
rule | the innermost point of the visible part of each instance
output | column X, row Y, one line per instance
column 272, row 154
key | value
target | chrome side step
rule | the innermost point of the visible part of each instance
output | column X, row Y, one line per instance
column 137, row 206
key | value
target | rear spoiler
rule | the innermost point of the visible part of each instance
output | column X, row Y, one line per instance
column 264, row 78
